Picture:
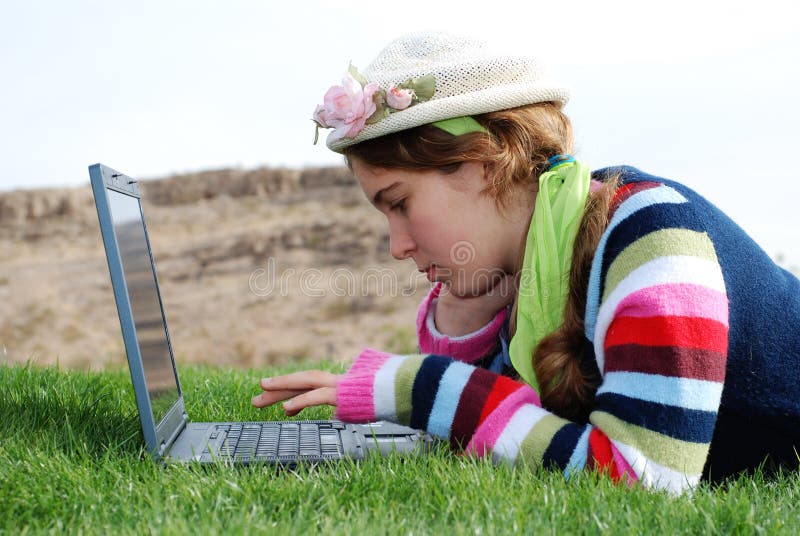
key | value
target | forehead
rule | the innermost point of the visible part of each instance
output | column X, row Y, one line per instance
column 373, row 177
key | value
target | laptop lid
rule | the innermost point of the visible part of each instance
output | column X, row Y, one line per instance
column 141, row 312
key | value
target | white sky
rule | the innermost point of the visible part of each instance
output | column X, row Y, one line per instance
column 702, row 92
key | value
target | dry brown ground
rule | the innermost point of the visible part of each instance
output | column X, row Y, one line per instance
column 257, row 267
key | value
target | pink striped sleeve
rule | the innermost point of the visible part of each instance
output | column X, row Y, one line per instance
column 354, row 392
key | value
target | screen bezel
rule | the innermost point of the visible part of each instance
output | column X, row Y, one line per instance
column 158, row 436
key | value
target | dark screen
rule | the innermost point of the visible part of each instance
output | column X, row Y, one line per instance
column 151, row 332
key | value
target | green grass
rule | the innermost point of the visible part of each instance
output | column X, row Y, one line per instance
column 71, row 458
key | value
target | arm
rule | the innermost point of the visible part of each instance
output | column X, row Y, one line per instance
column 659, row 329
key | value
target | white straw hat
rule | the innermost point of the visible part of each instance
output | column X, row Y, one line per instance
column 470, row 79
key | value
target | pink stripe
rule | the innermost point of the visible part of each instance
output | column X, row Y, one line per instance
column 623, row 467
column 468, row 349
column 354, row 402
column 488, row 432
column 680, row 299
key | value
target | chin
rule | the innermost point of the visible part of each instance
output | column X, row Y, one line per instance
column 461, row 292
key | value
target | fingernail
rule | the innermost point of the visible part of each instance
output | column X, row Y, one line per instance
column 254, row 400
column 288, row 405
column 265, row 381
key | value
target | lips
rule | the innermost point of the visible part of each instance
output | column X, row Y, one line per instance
column 430, row 271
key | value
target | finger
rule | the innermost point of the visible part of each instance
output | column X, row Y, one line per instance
column 317, row 397
column 267, row 398
column 300, row 381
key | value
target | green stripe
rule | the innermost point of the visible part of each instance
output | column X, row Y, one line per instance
column 661, row 243
column 681, row 456
column 538, row 439
column 404, row 386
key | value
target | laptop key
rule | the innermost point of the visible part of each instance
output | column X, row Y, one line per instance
column 289, row 439
column 330, row 443
column 309, row 439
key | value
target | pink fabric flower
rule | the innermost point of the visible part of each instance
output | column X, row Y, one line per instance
column 346, row 108
column 398, row 98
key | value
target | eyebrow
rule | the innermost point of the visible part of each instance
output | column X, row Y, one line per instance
column 378, row 197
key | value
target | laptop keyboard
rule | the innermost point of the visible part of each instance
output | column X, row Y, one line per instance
column 246, row 441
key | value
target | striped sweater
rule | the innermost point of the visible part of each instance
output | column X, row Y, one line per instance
column 687, row 377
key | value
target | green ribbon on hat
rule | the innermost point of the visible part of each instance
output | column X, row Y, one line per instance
column 544, row 279
column 460, row 125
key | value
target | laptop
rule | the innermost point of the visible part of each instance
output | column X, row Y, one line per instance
column 168, row 432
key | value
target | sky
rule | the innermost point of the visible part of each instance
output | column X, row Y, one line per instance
column 704, row 92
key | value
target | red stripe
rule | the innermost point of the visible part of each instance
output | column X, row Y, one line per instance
column 600, row 454
column 681, row 331
column 469, row 407
column 627, row 190
column 666, row 361
column 502, row 388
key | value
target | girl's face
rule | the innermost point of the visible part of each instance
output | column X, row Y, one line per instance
column 454, row 233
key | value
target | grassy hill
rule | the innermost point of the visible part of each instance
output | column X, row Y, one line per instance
column 71, row 460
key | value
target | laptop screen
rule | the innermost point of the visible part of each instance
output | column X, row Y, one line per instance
column 140, row 278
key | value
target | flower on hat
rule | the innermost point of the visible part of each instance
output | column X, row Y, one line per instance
column 399, row 98
column 348, row 108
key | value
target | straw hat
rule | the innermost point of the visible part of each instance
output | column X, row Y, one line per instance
column 470, row 79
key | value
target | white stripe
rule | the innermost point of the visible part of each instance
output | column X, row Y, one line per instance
column 670, row 269
column 383, row 389
column 686, row 393
column 655, row 475
column 517, row 428
column 663, row 270
column 644, row 199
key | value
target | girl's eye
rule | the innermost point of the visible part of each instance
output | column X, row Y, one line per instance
column 398, row 205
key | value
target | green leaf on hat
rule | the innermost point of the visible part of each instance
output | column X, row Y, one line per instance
column 316, row 132
column 381, row 110
column 355, row 74
column 424, row 87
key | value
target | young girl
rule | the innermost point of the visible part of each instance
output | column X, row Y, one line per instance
column 608, row 320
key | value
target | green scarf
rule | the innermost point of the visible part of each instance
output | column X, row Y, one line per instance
column 544, row 280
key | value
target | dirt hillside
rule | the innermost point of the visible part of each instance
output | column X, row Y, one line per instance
column 256, row 267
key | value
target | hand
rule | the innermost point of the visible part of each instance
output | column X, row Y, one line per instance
column 300, row 390
column 456, row 315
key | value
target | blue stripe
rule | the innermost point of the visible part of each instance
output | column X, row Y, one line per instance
column 451, row 387
column 674, row 391
column 561, row 446
column 426, row 384
column 635, row 203
column 692, row 425
column 577, row 460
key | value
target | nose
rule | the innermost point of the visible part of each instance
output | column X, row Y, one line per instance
column 401, row 244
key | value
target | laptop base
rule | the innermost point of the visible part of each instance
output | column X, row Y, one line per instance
column 292, row 442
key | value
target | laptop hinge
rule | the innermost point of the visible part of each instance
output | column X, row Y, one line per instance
column 165, row 445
